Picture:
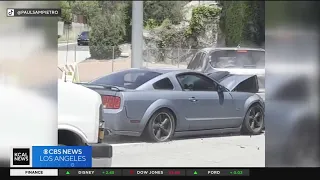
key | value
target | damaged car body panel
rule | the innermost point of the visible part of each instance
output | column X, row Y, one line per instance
column 235, row 60
column 237, row 83
column 241, row 83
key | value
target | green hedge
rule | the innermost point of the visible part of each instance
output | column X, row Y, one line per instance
column 200, row 16
column 242, row 22
column 105, row 37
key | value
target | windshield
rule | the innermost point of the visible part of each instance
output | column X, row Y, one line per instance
column 238, row 59
column 85, row 34
column 129, row 79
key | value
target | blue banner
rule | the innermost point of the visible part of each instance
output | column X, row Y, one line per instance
column 62, row 156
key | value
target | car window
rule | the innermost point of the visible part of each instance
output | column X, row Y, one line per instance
column 196, row 82
column 163, row 84
column 197, row 61
column 85, row 34
column 130, row 79
column 238, row 59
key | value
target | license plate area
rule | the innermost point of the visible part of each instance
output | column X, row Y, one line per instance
column 101, row 134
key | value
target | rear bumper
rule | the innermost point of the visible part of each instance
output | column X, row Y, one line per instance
column 83, row 41
column 101, row 155
column 117, row 122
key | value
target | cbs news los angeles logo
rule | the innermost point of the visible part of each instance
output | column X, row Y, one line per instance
column 21, row 157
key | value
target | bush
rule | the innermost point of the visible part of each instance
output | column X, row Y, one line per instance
column 201, row 15
column 105, row 36
column 242, row 22
column 151, row 24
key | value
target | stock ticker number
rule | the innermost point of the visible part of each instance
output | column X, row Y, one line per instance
column 174, row 172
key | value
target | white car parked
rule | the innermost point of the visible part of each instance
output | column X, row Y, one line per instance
column 80, row 121
column 30, row 119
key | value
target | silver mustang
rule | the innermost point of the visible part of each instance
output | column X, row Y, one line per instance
column 165, row 103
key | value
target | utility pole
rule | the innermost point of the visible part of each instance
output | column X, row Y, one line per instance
column 137, row 34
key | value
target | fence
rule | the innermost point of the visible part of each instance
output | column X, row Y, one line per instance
column 170, row 56
column 152, row 58
column 70, row 33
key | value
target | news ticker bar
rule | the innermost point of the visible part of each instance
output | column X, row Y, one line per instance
column 129, row 172
column 19, row 12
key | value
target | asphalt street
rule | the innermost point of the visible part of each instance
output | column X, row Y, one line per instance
column 208, row 151
column 72, row 53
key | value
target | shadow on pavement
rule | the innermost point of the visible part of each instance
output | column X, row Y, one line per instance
column 115, row 139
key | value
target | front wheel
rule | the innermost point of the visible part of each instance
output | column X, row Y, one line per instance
column 161, row 126
column 254, row 120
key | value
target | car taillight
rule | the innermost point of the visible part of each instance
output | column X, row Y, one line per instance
column 111, row 102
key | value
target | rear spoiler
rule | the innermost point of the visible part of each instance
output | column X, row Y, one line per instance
column 100, row 86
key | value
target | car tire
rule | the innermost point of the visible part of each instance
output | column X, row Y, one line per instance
column 253, row 123
column 162, row 122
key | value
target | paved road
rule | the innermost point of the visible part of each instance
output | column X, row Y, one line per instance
column 71, row 53
column 78, row 53
column 209, row 151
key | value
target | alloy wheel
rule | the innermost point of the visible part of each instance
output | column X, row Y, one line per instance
column 256, row 118
column 162, row 126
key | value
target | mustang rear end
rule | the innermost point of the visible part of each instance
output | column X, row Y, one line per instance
column 115, row 114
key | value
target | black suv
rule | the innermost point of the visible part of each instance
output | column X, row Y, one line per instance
column 83, row 38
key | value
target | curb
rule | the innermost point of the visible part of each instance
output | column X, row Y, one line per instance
column 64, row 44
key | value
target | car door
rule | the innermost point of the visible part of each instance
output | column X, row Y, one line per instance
column 204, row 107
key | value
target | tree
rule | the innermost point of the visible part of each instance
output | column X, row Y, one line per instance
column 89, row 9
column 127, row 12
column 66, row 13
column 254, row 28
column 242, row 22
column 105, row 36
column 161, row 10
column 201, row 16
column 123, row 11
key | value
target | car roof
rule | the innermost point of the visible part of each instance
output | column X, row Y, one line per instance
column 162, row 71
column 207, row 50
column 166, row 70
column 157, row 70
